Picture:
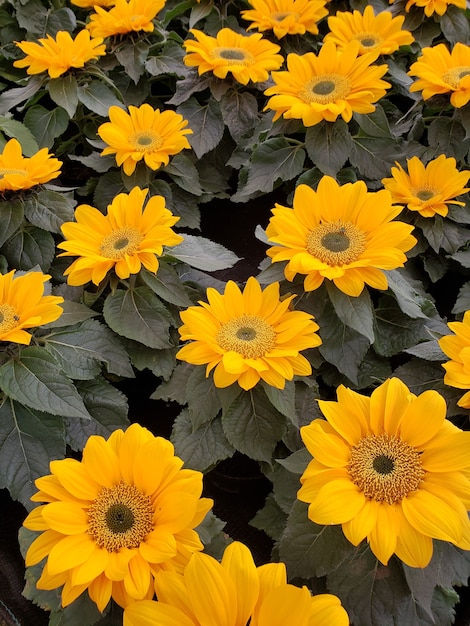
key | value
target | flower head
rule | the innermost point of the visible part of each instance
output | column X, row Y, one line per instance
column 19, row 172
column 285, row 17
column 115, row 519
column 341, row 233
column 126, row 16
column 234, row 592
column 328, row 85
column 59, row 54
column 124, row 239
column 90, row 4
column 389, row 468
column 24, row 305
column 144, row 134
column 440, row 71
column 245, row 57
column 434, row 6
column 457, row 348
column 247, row 336
column 380, row 33
column 427, row 189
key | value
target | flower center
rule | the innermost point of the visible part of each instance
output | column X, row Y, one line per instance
column 278, row 17
column 425, row 193
column 249, row 335
column 367, row 40
column 146, row 141
column 121, row 242
column 325, row 89
column 454, row 75
column 233, row 56
column 8, row 318
column 385, row 468
column 120, row 517
column 336, row 243
column 4, row 171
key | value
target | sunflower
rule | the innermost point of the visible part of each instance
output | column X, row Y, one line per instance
column 124, row 239
column 390, row 468
column 24, row 305
column 233, row 591
column 126, row 16
column 440, row 71
column 19, row 172
column 341, row 233
column 285, row 17
column 380, row 33
column 246, row 57
column 59, row 54
column 434, row 6
column 457, row 348
column 247, row 336
column 143, row 133
column 334, row 83
column 90, row 4
column 114, row 520
column 428, row 189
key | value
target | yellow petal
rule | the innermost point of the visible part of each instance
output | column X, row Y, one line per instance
column 70, row 552
column 286, row 605
column 336, row 502
column 328, row 611
column 431, row 516
column 138, row 581
column 388, row 402
column 239, row 564
column 450, row 453
column 361, row 525
column 423, row 418
column 149, row 613
column 383, row 537
column 99, row 591
column 324, row 444
column 66, row 517
column 413, row 548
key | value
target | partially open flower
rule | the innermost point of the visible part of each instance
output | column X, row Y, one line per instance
column 457, row 348
column 126, row 16
column 19, row 172
column 285, row 17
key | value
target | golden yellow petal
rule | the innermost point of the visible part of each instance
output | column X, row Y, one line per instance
column 238, row 562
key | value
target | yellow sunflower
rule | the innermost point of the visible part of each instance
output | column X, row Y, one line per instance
column 389, row 468
column 380, row 33
column 19, row 172
column 143, row 134
column 434, row 6
column 126, row 16
column 114, row 520
column 428, row 189
column 245, row 57
column 457, row 348
column 124, row 239
column 440, row 71
column 328, row 85
column 341, row 233
column 285, row 17
column 234, row 592
column 24, row 305
column 90, row 4
column 247, row 336
column 59, row 54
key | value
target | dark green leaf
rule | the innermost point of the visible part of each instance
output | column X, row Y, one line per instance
column 409, row 298
column 271, row 519
column 46, row 125
column 203, row 399
column 443, row 234
column 239, row 111
column 462, row 257
column 64, row 92
column 98, row 97
column 283, row 400
column 357, row 313
column 427, row 350
column 29, row 440
column 204, row 254
column 132, row 57
column 374, row 124
column 49, row 210
column 328, row 146
column 395, row 331
column 13, row 128
column 167, row 285
column 160, row 362
column 185, row 174
column 140, row 315
column 454, row 25
column 253, row 426
column 206, row 123
column 35, row 380
column 374, row 157
column 13, row 97
column 446, row 135
column 73, row 313
column 11, row 217
column 175, row 388
column 169, row 61
column 462, row 303
column 202, row 448
column 30, row 247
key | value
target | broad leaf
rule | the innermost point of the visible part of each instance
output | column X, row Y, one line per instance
column 328, row 146
column 46, row 125
column 409, row 298
column 357, row 313
column 49, row 210
column 167, row 285
column 132, row 57
column 185, row 174
column 11, row 217
column 12, row 97
column 204, row 254
column 395, row 331
column 206, row 123
column 21, row 132
column 374, row 157
column 239, row 111
column 446, row 135
column 169, row 61
column 203, row 399
column 98, row 97
column 374, row 124
column 30, row 247
column 64, row 92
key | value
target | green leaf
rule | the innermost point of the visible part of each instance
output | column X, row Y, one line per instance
column 107, row 407
column 283, row 400
column 462, row 257
column 443, row 234
column 253, row 426
column 168, row 61
column 239, row 111
column 46, row 125
column 410, row 301
column 160, row 362
column 11, row 217
column 374, row 124
column 454, row 25
column 30, row 247
column 64, row 92
column 206, row 123
column 185, row 174
column 357, row 313
column 270, row 518
column 427, row 350
column 394, row 330
column 272, row 161
column 132, row 57
column 374, row 157
column 296, row 462
column 12, row 128
column 175, row 388
column 82, row 349
column 38, row 20
column 328, row 145
column 202, row 448
column 49, row 210
column 29, row 440
column 204, row 254
column 73, row 313
column 446, row 135
column 167, row 285
column 35, row 380
column 13, row 97
column 203, row 399
column 140, row 315
column 98, row 97
column 309, row 549
column 462, row 303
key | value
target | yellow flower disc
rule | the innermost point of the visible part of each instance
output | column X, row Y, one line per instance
column 336, row 243
column 248, row 335
column 121, row 242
